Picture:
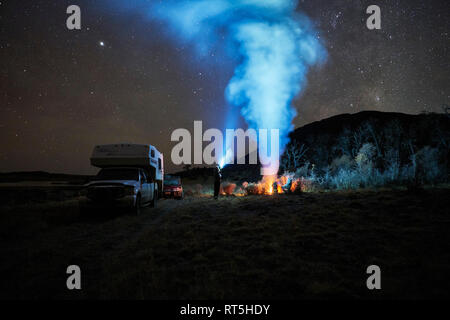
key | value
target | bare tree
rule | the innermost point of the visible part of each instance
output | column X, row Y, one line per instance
column 442, row 137
column 371, row 131
column 393, row 132
column 410, row 145
column 293, row 155
column 357, row 141
column 344, row 143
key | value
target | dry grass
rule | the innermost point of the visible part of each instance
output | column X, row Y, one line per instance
column 314, row 245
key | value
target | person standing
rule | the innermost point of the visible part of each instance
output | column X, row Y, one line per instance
column 217, row 179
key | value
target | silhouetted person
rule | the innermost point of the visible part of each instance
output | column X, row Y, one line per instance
column 217, row 178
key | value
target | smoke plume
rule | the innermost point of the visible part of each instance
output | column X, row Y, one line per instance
column 271, row 41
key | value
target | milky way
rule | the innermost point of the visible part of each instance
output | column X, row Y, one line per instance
column 63, row 92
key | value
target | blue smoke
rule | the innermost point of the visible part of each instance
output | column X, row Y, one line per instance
column 274, row 46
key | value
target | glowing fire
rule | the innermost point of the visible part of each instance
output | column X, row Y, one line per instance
column 270, row 185
column 294, row 184
column 267, row 184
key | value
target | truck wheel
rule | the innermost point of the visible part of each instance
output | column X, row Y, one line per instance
column 137, row 206
column 155, row 200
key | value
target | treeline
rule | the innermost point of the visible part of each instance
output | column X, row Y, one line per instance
column 371, row 149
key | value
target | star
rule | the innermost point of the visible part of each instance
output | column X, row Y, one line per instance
column 364, row 70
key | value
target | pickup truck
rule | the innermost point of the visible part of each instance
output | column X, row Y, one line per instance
column 120, row 187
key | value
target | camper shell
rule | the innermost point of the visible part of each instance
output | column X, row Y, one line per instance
column 146, row 157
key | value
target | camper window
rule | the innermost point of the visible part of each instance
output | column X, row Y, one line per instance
column 159, row 164
column 152, row 153
column 118, row 174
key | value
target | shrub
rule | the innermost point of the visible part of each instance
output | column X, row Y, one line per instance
column 428, row 164
column 344, row 162
column 346, row 179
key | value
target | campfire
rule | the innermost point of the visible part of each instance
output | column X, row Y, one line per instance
column 269, row 185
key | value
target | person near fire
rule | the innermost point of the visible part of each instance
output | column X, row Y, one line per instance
column 217, row 179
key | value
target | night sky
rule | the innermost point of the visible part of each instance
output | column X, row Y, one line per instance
column 121, row 79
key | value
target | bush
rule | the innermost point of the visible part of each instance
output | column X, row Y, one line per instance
column 344, row 162
column 428, row 170
column 346, row 179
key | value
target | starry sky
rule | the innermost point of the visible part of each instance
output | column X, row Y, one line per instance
column 120, row 79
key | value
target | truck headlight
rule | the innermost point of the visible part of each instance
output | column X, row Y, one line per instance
column 129, row 191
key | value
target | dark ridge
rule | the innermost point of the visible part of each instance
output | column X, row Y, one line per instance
column 335, row 124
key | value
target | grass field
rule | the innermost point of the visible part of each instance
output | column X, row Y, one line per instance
column 314, row 245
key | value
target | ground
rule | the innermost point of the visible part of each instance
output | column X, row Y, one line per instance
column 313, row 245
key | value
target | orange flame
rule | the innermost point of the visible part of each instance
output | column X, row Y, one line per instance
column 268, row 182
column 294, row 185
column 270, row 185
